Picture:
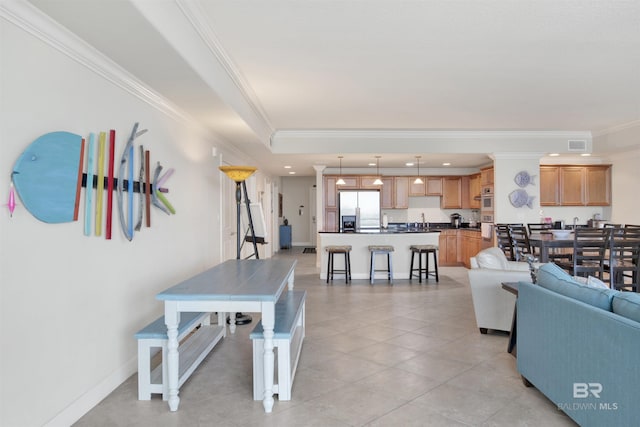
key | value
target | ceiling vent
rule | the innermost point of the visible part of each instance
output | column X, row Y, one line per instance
column 577, row 145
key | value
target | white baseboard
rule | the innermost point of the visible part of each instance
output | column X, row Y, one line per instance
column 91, row 398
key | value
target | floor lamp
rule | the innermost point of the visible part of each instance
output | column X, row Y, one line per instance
column 239, row 174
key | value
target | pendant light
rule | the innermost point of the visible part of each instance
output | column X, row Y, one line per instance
column 340, row 181
column 378, row 181
column 418, row 179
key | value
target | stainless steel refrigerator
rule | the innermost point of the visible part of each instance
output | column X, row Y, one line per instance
column 364, row 205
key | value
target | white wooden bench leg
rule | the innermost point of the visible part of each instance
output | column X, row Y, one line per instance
column 144, row 370
column 222, row 322
column 258, row 369
column 284, row 370
column 232, row 323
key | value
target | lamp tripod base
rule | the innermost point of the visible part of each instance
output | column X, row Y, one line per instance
column 241, row 319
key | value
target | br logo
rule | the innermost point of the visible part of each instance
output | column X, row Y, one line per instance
column 584, row 390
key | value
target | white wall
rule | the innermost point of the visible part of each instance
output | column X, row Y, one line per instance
column 625, row 179
column 70, row 304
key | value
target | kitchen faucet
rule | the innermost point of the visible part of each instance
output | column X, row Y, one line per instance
column 423, row 221
column 575, row 222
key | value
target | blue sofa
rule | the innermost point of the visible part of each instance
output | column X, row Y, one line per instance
column 580, row 347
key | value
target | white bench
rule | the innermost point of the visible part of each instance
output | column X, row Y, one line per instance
column 287, row 338
column 153, row 338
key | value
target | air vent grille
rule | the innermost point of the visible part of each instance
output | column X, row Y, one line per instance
column 577, row 145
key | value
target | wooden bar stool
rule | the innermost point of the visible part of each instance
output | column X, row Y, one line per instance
column 380, row 250
column 339, row 249
column 426, row 250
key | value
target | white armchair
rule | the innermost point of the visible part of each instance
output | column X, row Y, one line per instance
column 493, row 305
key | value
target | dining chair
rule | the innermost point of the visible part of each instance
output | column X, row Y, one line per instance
column 623, row 261
column 539, row 227
column 519, row 241
column 589, row 248
column 503, row 239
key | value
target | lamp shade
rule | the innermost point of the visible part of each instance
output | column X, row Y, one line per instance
column 238, row 173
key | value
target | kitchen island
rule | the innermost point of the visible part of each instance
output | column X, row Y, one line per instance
column 360, row 241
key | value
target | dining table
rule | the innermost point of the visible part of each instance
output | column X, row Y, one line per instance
column 545, row 242
column 238, row 285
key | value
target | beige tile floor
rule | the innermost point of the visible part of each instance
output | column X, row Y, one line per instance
column 381, row 355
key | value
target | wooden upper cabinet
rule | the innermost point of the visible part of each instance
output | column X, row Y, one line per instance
column 549, row 186
column 401, row 192
column 366, row 182
column 451, row 193
column 568, row 185
column 572, row 183
column 350, row 183
column 598, row 185
column 486, row 176
column 433, row 186
column 474, row 191
column 330, row 192
column 417, row 189
column 386, row 193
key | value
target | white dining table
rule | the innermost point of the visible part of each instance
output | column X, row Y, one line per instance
column 233, row 286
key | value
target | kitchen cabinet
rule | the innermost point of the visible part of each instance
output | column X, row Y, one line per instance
column 474, row 191
column 549, row 186
column 330, row 192
column 574, row 185
column 598, row 185
column 448, row 248
column 387, row 193
column 401, row 192
column 366, row 182
column 470, row 244
column 417, row 189
column 451, row 193
column 486, row 176
column 330, row 220
column 433, row 186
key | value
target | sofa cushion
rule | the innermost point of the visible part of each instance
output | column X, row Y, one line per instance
column 552, row 277
column 492, row 258
column 627, row 304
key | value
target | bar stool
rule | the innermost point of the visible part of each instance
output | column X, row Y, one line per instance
column 380, row 250
column 426, row 250
column 339, row 249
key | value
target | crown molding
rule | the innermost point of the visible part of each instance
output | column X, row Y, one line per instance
column 32, row 20
column 614, row 129
column 427, row 134
column 194, row 12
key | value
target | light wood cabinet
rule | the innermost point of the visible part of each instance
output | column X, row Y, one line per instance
column 330, row 192
column 387, row 200
column 470, row 244
column 549, row 186
column 451, row 193
column 572, row 185
column 448, row 248
column 366, row 182
column 474, row 191
column 486, row 176
column 598, row 185
column 330, row 220
column 433, row 186
column 417, row 189
column 401, row 192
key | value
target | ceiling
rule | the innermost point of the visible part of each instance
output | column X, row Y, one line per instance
column 299, row 82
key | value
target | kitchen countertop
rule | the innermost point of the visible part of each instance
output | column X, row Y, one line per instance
column 403, row 229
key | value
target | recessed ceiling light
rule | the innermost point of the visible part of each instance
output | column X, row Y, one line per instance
column 554, row 154
column 446, row 164
column 585, row 154
column 287, row 167
column 372, row 164
column 408, row 164
column 292, row 173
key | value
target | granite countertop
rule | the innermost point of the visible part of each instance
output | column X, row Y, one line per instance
column 404, row 229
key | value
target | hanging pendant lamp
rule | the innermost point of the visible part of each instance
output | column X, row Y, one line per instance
column 418, row 179
column 340, row 181
column 378, row 181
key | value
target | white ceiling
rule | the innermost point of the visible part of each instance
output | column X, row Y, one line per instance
column 301, row 81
